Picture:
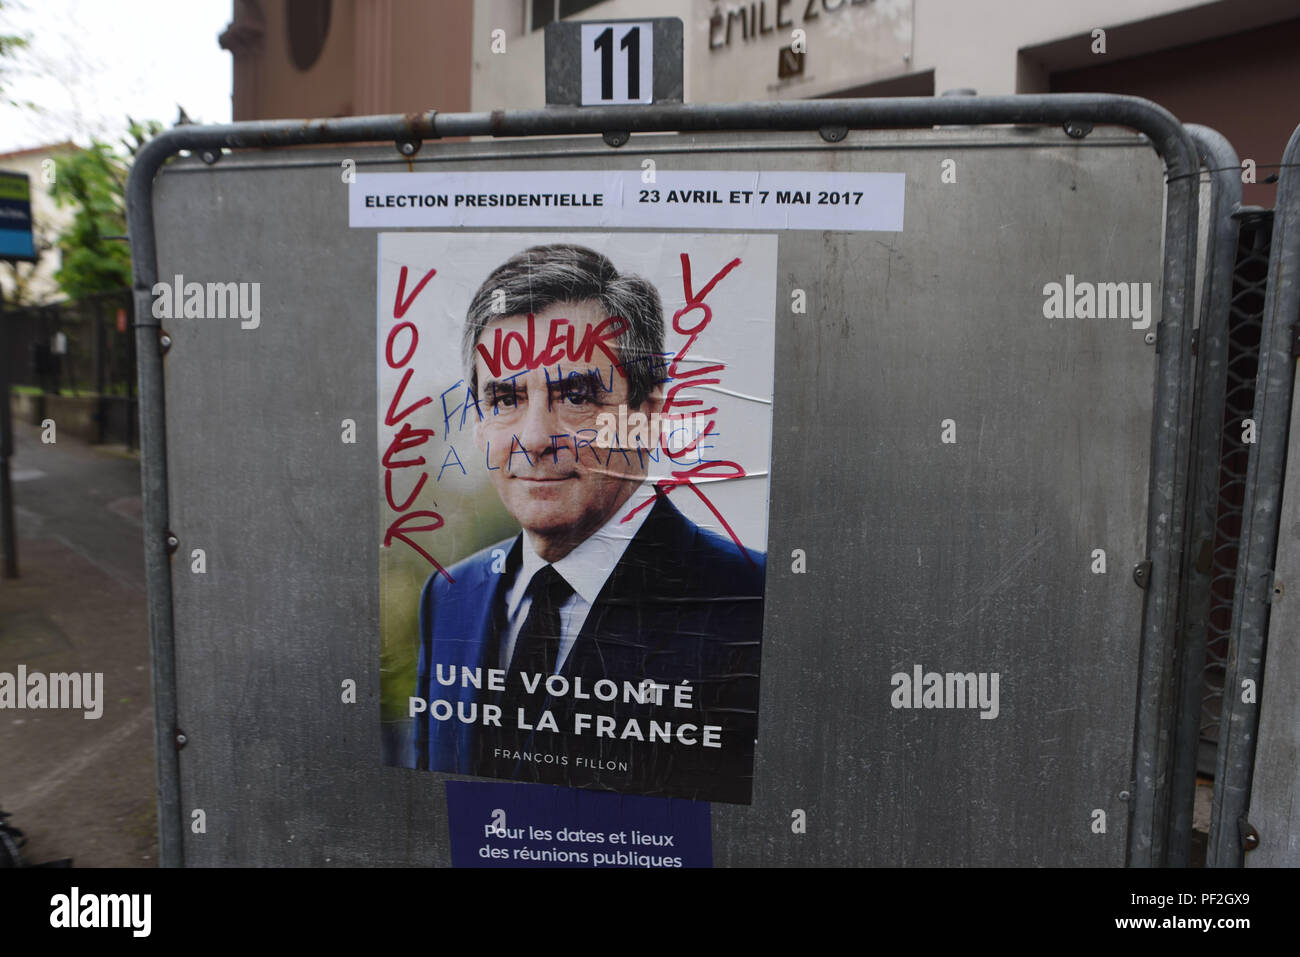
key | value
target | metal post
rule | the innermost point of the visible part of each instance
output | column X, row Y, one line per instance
column 101, row 363
column 1203, row 477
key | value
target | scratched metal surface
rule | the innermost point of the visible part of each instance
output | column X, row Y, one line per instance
column 1273, row 810
column 972, row 556
column 1264, row 620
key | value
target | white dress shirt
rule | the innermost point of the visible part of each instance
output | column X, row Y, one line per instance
column 586, row 569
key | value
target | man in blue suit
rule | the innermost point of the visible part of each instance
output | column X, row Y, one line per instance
column 613, row 643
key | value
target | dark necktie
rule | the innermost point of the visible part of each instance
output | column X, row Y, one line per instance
column 537, row 646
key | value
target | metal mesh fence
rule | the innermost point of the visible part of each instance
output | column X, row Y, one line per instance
column 1244, row 325
column 83, row 348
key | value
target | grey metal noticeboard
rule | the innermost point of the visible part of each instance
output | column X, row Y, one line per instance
column 978, row 555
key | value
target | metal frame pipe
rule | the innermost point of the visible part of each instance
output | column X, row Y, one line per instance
column 1210, row 387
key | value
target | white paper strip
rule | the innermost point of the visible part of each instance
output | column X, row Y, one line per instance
column 677, row 199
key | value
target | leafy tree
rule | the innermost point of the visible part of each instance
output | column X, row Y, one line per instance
column 95, row 254
column 10, row 44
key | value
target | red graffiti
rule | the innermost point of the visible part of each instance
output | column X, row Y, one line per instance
column 393, row 416
column 400, row 307
column 407, row 437
column 704, row 470
column 396, row 530
column 388, row 492
column 559, row 345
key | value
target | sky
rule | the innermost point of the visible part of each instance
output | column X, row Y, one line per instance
column 91, row 63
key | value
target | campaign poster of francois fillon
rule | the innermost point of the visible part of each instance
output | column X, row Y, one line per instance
column 574, row 445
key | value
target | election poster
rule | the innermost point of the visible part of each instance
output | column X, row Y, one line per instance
column 574, row 438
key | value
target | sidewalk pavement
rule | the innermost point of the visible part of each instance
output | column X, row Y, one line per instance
column 79, row 788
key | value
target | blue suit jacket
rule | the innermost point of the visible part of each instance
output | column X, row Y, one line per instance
column 683, row 605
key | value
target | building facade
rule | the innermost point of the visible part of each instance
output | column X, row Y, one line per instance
column 320, row 58
column 1232, row 65
column 1229, row 64
column 33, row 283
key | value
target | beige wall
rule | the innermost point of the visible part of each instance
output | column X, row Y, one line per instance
column 429, row 56
column 847, row 44
column 380, row 56
column 856, row 43
column 516, row 79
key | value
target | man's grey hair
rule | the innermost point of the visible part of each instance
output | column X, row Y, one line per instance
column 541, row 276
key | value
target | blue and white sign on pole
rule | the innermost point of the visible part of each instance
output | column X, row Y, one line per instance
column 16, row 218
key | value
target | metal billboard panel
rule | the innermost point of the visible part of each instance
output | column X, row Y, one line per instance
column 968, row 556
